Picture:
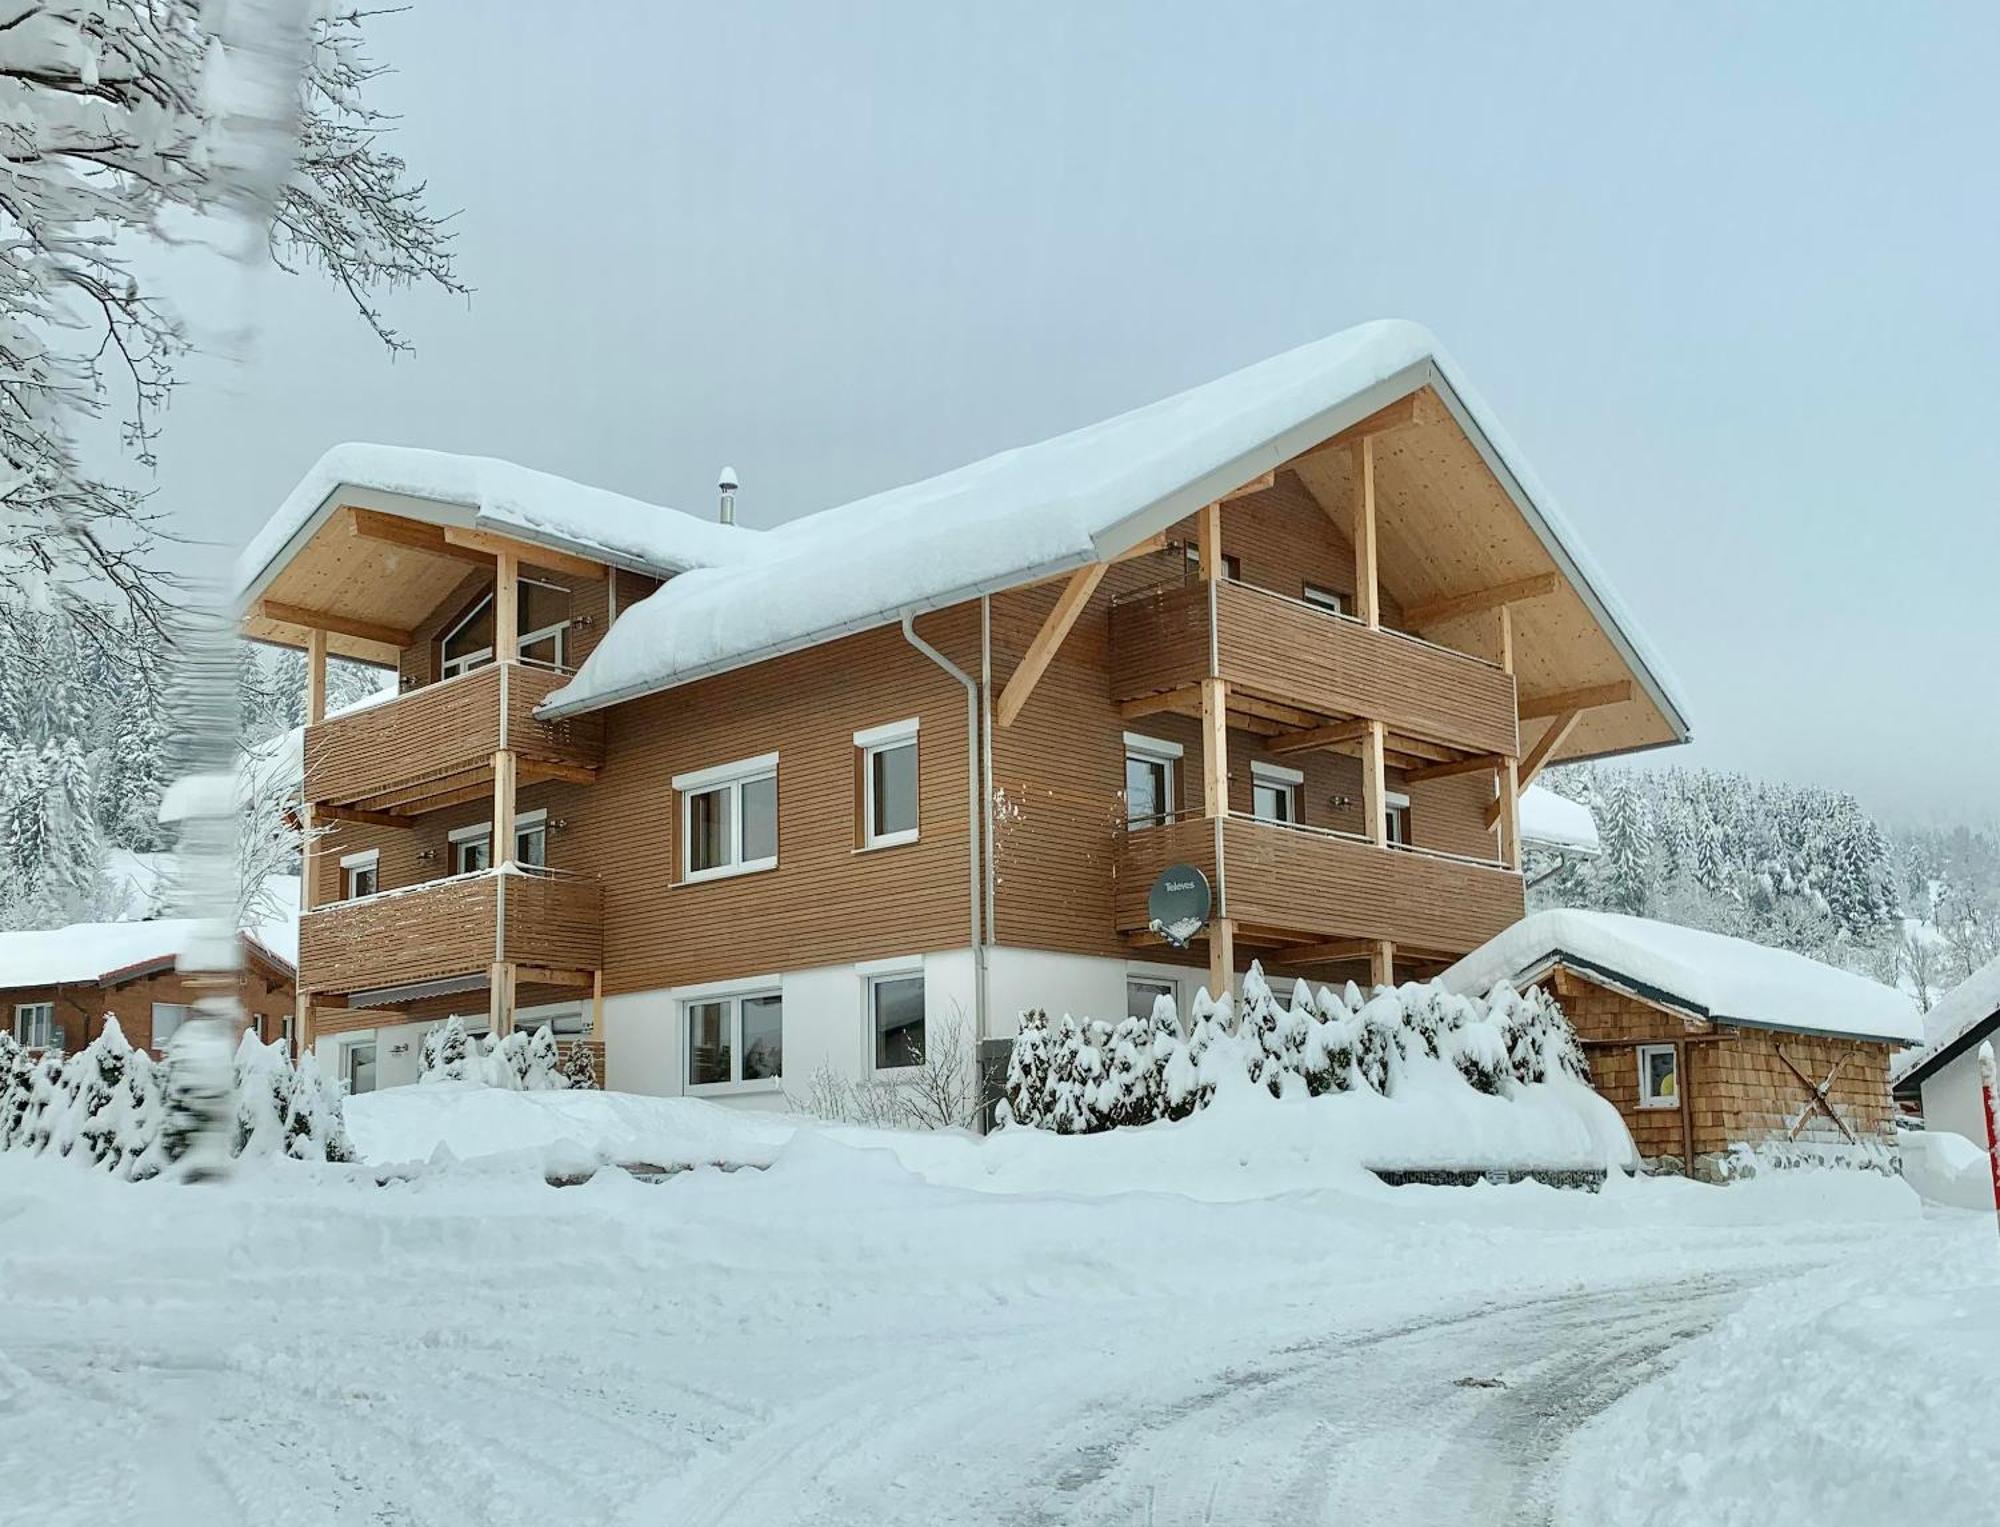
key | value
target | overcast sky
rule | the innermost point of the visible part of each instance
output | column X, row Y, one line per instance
column 1727, row 277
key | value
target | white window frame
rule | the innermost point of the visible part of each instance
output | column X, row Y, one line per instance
column 1159, row 751
column 459, row 837
column 1142, row 976
column 452, row 667
column 874, row 742
column 347, row 1054
column 1278, row 777
column 1394, row 801
column 560, row 630
column 1646, row 1098
column 476, row 832
column 732, row 995
column 24, row 1012
column 1320, row 597
column 369, row 859
column 874, row 973
column 527, row 824
column 731, row 777
column 186, row 1011
column 1232, row 562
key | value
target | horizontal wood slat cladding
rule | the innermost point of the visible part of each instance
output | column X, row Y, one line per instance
column 446, row 929
column 1282, row 878
column 555, row 921
column 81, row 1007
column 441, row 732
column 825, row 902
column 1159, row 640
column 1143, row 852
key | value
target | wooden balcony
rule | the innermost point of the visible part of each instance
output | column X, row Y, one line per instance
column 454, row 927
column 1313, row 886
column 1289, row 653
column 434, row 746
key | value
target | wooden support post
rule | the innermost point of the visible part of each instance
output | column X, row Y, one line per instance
column 1221, row 957
column 1508, row 779
column 315, row 677
column 500, row 999
column 1367, row 596
column 1215, row 747
column 302, row 1026
column 1375, row 786
column 1070, row 604
column 1687, row 1108
column 503, row 807
column 1382, row 963
column 597, row 1009
column 1208, row 541
column 506, row 607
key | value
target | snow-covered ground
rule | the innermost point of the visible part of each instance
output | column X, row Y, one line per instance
column 838, row 1337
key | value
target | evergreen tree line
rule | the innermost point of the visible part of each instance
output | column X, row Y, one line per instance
column 1081, row 1077
column 115, row 1108
column 86, row 738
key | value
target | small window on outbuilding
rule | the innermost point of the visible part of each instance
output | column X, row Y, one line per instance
column 1659, row 1077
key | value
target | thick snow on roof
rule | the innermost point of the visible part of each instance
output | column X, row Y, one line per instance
column 520, row 501
column 1727, row 979
column 1958, row 1012
column 1036, row 510
column 83, row 952
column 1557, row 821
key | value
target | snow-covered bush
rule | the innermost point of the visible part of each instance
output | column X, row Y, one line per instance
column 519, row 1061
column 117, row 1109
column 579, row 1066
column 1079, row 1076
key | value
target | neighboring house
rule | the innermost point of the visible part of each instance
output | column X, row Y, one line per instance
column 1557, row 824
column 754, row 803
column 1707, row 1043
column 1944, row 1075
column 57, row 984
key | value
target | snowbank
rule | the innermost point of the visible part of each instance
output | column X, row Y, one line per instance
column 1947, row 1169
column 1707, row 974
column 1859, row 1397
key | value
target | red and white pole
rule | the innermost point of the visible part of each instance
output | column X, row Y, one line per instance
column 1992, row 1119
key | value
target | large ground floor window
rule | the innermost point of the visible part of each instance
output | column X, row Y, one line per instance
column 735, row 1038
column 35, row 1024
column 896, row 1014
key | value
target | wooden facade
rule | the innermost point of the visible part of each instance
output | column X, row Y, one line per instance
column 264, row 987
column 1738, row 1086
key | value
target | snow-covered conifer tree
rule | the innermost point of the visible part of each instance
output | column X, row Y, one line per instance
column 1026, row 1098
column 579, row 1066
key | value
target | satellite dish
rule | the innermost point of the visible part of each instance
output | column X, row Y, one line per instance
column 1179, row 903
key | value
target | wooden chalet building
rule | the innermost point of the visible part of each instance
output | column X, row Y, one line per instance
column 57, row 985
column 1706, row 1043
column 749, row 803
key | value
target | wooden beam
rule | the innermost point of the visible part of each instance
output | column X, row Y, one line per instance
column 1336, row 949
column 500, row 994
column 315, row 675
column 503, row 806
column 1507, row 804
column 1165, row 700
column 549, row 975
column 1255, row 485
column 356, row 814
column 1479, row 763
column 320, row 622
column 597, row 1010
column 1382, row 964
column 534, row 771
column 1145, row 548
column 1042, row 650
column 412, row 535
column 1319, row 737
column 1438, row 611
column 1374, row 805
column 1590, row 697
column 488, row 544
column 1221, row 957
column 1415, row 408
column 1214, row 748
column 438, row 795
column 1208, row 541
column 1367, row 591
column 1538, row 756
column 506, row 608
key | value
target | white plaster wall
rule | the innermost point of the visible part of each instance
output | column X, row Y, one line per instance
column 1951, row 1099
column 642, row 1044
column 392, row 1069
column 1080, row 985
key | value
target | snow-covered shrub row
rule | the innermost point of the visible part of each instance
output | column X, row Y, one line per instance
column 519, row 1062
column 1079, row 1077
column 114, row 1107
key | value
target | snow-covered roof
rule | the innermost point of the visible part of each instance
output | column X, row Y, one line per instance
column 513, row 500
column 1043, row 509
column 1959, row 1017
column 86, row 952
column 1556, row 821
column 1709, row 975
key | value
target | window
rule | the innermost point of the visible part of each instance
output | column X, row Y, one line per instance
column 1150, row 767
column 1396, row 814
column 1232, row 565
column 736, row 1039
column 359, row 874
column 1274, row 792
column 1141, row 992
column 35, row 1024
column 544, row 623
column 167, row 1018
column 729, row 818
column 469, row 644
column 896, row 1013
column 1331, row 600
column 357, row 1066
column 888, row 784
column 531, row 839
column 472, row 849
column 1659, row 1077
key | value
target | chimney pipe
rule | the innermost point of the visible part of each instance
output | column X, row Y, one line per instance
column 727, row 484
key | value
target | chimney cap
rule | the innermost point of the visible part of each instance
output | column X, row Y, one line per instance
column 727, row 481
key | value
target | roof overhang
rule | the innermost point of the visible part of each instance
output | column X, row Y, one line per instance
column 1935, row 1061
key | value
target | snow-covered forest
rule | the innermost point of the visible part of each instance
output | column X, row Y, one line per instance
column 85, row 744
column 1800, row 867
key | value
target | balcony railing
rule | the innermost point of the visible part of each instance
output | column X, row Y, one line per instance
column 432, row 741
column 1286, row 650
column 1326, row 885
column 453, row 927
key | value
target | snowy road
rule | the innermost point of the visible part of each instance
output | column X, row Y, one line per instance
column 838, row 1341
